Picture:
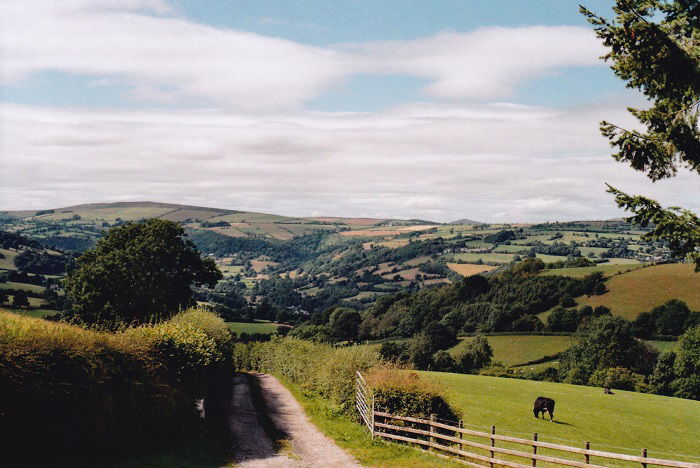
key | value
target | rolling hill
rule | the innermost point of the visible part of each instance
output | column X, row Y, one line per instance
column 634, row 292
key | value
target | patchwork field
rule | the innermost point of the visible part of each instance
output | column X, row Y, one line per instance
column 626, row 419
column 513, row 350
column 468, row 269
column 641, row 290
column 484, row 257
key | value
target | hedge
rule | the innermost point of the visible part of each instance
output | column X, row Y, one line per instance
column 328, row 372
column 64, row 388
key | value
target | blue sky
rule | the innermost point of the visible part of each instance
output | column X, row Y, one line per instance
column 349, row 108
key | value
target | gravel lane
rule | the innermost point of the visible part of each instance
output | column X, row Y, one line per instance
column 253, row 447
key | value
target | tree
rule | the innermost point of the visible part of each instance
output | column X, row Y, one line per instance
column 344, row 324
column 443, row 361
column 687, row 365
column 655, row 47
column 20, row 299
column 605, row 342
column 138, row 272
column 394, row 351
column 477, row 355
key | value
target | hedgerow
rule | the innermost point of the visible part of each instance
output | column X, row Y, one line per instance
column 328, row 372
column 65, row 388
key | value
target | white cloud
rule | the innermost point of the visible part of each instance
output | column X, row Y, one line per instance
column 161, row 56
column 165, row 57
column 485, row 63
column 489, row 162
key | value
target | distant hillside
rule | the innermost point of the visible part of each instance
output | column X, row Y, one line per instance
column 465, row 221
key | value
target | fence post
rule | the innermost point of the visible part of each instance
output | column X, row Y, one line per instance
column 588, row 447
column 461, row 434
column 534, row 449
column 644, row 454
column 493, row 444
column 433, row 417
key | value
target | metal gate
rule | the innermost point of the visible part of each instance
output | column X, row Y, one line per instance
column 364, row 402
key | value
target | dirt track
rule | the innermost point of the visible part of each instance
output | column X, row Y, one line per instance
column 265, row 417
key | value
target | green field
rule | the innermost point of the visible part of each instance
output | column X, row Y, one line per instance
column 664, row 346
column 8, row 262
column 34, row 313
column 24, row 286
column 631, row 420
column 607, row 269
column 256, row 327
column 641, row 290
column 513, row 350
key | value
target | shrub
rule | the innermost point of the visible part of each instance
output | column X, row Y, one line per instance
column 616, row 377
column 76, row 389
column 406, row 394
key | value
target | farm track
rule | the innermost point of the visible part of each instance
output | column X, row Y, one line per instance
column 270, row 429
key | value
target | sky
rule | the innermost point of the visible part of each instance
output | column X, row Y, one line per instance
column 390, row 109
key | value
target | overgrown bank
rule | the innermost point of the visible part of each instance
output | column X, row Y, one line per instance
column 65, row 388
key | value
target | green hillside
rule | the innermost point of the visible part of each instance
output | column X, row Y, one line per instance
column 641, row 290
column 514, row 350
column 625, row 419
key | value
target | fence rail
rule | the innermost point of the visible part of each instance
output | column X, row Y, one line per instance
column 449, row 441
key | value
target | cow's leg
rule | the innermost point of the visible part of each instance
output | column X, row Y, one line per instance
column 551, row 416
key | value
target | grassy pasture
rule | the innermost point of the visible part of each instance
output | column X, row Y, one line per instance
column 510, row 249
column 34, row 313
column 626, row 419
column 664, row 346
column 256, row 327
column 641, row 290
column 607, row 269
column 550, row 258
column 468, row 269
column 513, row 350
column 24, row 286
column 8, row 263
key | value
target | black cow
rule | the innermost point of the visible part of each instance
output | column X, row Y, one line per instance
column 543, row 404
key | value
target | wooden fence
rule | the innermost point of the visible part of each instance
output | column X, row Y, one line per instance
column 479, row 449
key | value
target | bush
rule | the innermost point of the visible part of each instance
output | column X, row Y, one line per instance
column 616, row 377
column 404, row 393
column 76, row 389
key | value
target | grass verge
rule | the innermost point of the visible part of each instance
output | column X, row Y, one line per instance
column 355, row 439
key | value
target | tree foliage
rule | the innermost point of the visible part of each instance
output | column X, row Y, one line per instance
column 655, row 47
column 137, row 272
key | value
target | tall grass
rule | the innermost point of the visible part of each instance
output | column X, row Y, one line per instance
column 64, row 388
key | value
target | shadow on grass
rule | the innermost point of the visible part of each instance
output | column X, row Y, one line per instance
column 563, row 423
